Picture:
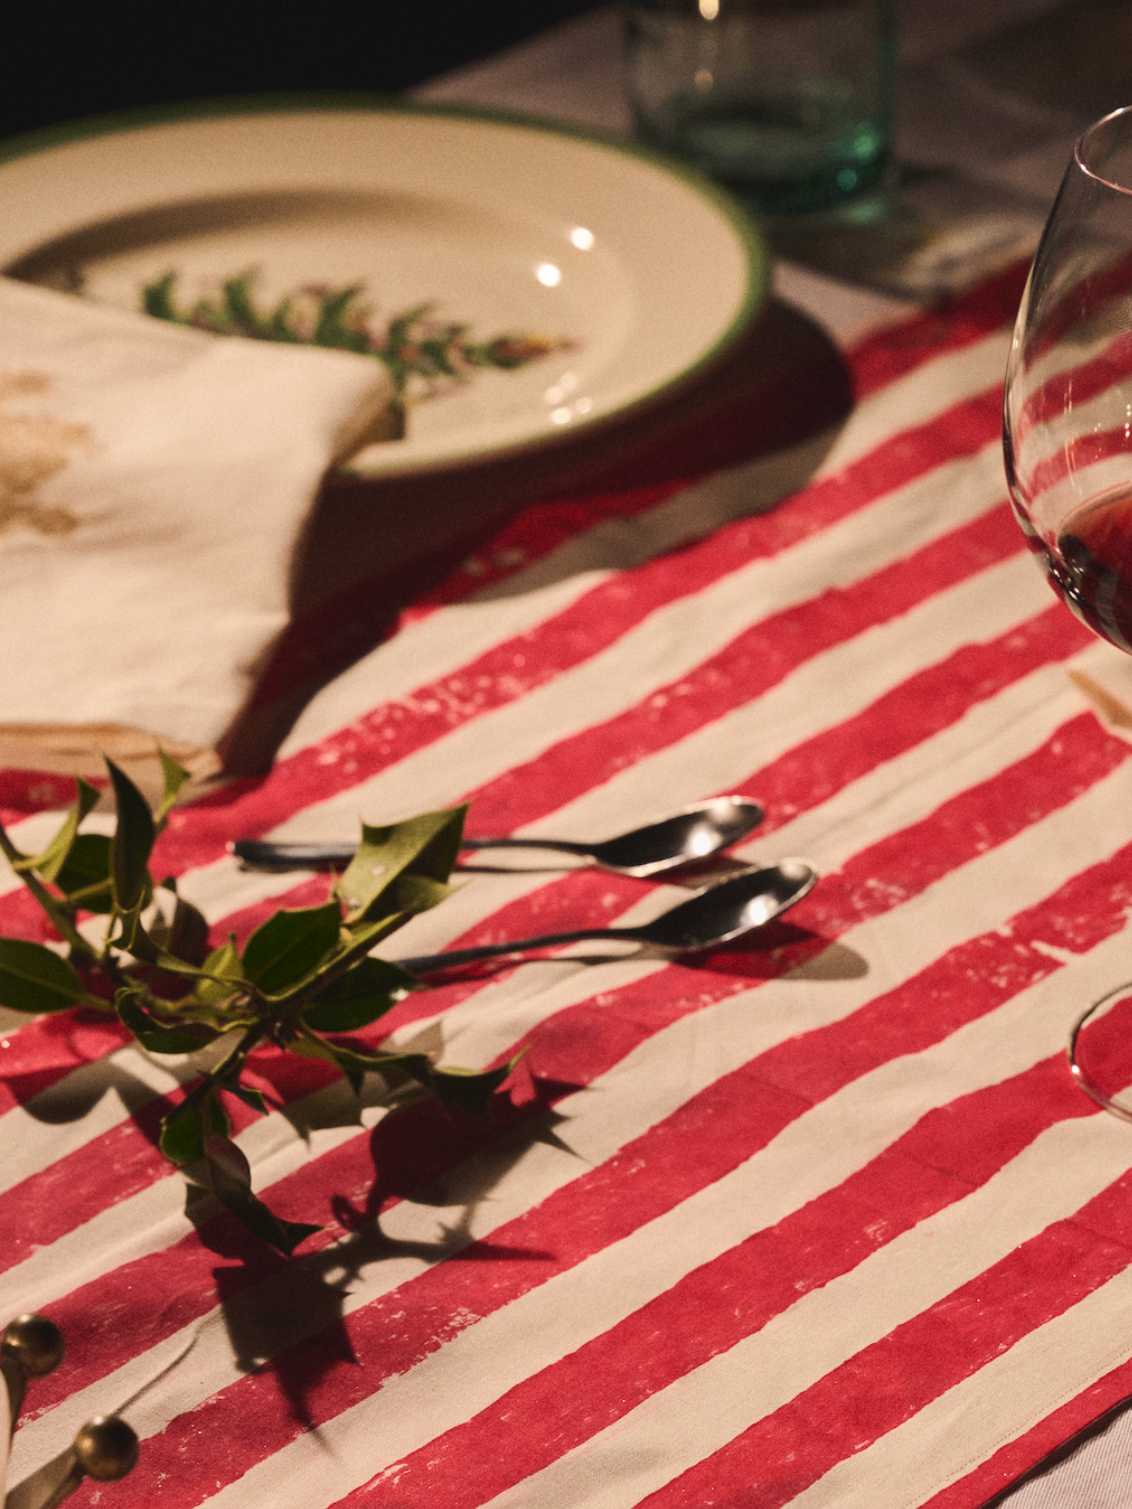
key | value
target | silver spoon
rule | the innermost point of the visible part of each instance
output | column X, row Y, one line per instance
column 691, row 834
column 717, row 914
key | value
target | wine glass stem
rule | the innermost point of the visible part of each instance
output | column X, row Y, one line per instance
column 1080, row 1073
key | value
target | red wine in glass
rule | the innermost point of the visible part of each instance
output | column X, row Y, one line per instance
column 1067, row 430
column 1091, row 565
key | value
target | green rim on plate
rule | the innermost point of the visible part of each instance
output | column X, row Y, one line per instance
column 754, row 251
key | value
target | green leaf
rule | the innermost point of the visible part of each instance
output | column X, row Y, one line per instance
column 239, row 306
column 34, row 979
column 85, row 874
column 358, row 997
column 225, row 1171
column 217, row 969
column 290, row 945
column 132, row 843
column 186, row 937
column 174, row 777
column 159, row 1037
column 355, row 1063
column 279, row 328
column 468, row 1089
column 250, row 1097
column 422, row 848
column 332, row 328
column 184, row 1130
column 157, row 298
column 51, row 860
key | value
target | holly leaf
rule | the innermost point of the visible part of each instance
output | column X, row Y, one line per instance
column 250, row 1097
column 220, row 973
column 290, row 945
column 225, row 1172
column 390, row 863
column 468, row 1089
column 184, row 1130
column 51, row 860
column 356, row 1063
column 34, row 979
column 185, row 936
column 174, row 777
column 358, row 997
column 132, row 843
column 84, row 877
column 160, row 1037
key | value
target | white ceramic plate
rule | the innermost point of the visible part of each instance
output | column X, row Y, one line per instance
column 641, row 272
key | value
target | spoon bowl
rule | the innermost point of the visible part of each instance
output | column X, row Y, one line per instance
column 692, row 834
column 695, row 833
column 717, row 915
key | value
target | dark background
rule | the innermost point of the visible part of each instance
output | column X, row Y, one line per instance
column 65, row 62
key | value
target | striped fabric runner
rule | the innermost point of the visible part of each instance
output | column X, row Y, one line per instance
column 820, row 1220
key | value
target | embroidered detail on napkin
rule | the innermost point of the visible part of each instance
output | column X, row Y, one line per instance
column 154, row 486
column 33, row 447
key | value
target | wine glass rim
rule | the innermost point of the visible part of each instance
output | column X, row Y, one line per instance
column 1084, row 142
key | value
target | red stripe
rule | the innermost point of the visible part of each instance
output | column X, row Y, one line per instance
column 701, row 1142
column 1074, row 456
column 801, row 778
column 117, row 1164
column 895, row 350
column 754, row 661
column 888, row 353
column 1075, row 386
column 519, row 665
column 736, row 1294
column 887, row 1383
column 1028, row 1450
column 166, row 1290
column 199, row 832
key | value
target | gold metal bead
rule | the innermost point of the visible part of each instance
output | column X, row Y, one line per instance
column 35, row 1342
column 106, row 1448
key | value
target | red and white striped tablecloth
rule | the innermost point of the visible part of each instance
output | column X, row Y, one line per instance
column 820, row 1220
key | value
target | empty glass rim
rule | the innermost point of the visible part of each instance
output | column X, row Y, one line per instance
column 1087, row 141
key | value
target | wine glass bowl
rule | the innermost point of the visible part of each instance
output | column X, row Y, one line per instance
column 1068, row 398
column 1067, row 433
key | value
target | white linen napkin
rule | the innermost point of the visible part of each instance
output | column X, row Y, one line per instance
column 154, row 482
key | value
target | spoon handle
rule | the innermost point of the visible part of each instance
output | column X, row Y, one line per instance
column 456, row 956
column 262, row 854
column 562, row 845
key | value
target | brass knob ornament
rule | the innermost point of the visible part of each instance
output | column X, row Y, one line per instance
column 106, row 1448
column 35, row 1343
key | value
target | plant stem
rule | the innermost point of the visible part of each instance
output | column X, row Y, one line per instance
column 58, row 918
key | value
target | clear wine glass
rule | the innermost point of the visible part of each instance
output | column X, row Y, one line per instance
column 1067, row 433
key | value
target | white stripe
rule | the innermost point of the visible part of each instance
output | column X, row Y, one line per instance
column 968, row 1423
column 814, row 1153
column 713, row 757
column 624, row 673
column 967, row 900
column 668, row 644
column 438, row 644
column 705, row 1409
column 979, row 605
column 649, row 1084
column 454, row 635
column 86, row 1103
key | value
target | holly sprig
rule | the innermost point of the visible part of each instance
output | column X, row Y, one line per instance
column 138, row 949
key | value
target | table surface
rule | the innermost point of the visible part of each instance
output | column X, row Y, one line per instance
column 818, row 1220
